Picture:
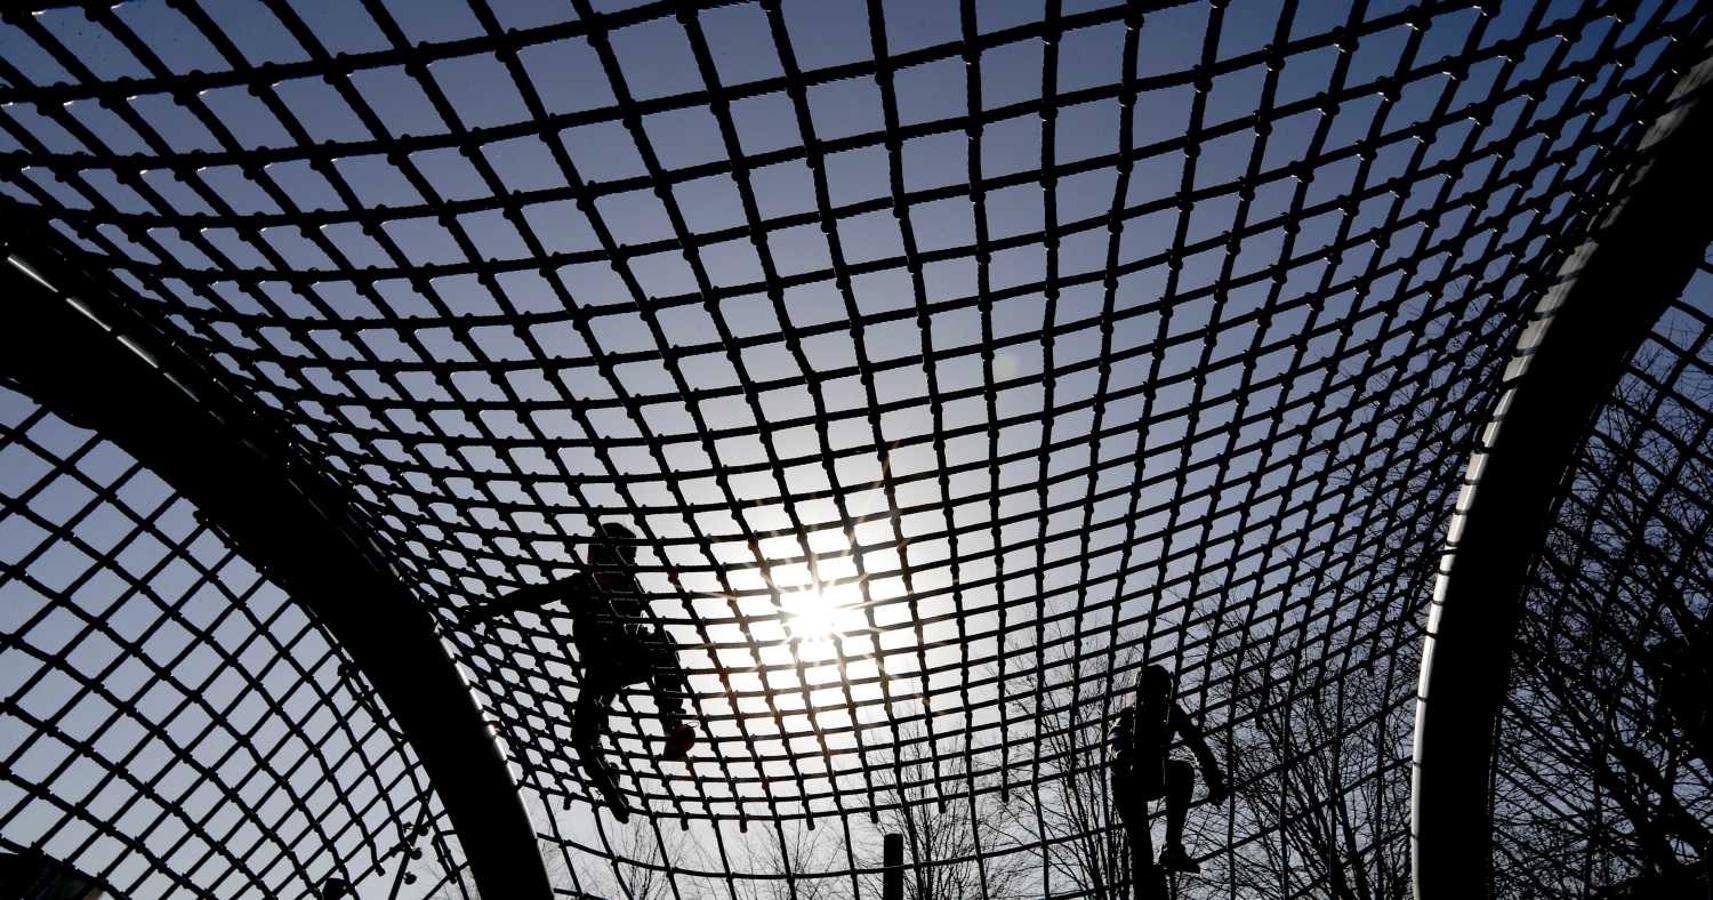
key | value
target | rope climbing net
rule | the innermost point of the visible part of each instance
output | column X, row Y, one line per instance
column 175, row 725
column 951, row 361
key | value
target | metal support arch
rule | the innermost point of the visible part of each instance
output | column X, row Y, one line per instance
column 1609, row 293
column 73, row 347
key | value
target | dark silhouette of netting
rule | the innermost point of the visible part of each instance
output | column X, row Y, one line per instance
column 1615, row 789
column 176, row 725
column 1173, row 349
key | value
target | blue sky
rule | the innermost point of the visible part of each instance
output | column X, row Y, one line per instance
column 409, row 282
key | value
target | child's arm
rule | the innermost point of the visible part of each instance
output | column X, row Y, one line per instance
column 1197, row 741
column 531, row 596
column 1124, row 742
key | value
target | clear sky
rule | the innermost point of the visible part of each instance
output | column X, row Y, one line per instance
column 894, row 407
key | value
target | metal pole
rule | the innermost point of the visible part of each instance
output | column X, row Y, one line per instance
column 892, row 879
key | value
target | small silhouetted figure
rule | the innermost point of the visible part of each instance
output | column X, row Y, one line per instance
column 617, row 647
column 1143, row 770
column 1683, row 680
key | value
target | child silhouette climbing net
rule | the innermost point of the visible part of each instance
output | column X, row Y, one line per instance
column 617, row 647
column 1143, row 770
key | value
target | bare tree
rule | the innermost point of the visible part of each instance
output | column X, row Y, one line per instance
column 643, row 854
column 1069, row 817
column 1604, row 780
column 1320, row 782
column 956, row 846
column 640, row 872
column 792, row 864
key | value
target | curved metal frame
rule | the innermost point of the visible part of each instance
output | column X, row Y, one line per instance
column 1607, row 297
column 113, row 372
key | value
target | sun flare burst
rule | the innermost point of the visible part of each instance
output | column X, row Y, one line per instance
column 816, row 617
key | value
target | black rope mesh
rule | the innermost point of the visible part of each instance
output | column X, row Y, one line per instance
column 175, row 725
column 952, row 360
column 1605, row 782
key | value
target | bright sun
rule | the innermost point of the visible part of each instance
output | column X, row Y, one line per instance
column 819, row 615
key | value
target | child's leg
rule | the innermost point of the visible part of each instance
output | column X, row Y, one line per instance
column 589, row 720
column 614, row 657
column 588, row 726
column 1180, row 782
column 1127, row 800
column 666, row 677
